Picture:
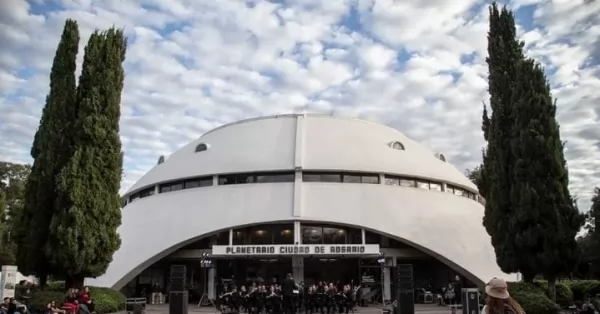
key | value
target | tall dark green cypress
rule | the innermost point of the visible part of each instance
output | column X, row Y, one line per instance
column 50, row 151
column 545, row 220
column 505, row 52
column 83, row 232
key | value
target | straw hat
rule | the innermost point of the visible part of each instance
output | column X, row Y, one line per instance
column 497, row 288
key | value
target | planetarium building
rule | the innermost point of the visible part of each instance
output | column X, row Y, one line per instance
column 317, row 196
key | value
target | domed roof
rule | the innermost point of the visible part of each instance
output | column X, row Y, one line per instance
column 306, row 142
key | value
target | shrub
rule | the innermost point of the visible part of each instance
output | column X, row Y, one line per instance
column 583, row 288
column 532, row 298
column 106, row 300
column 564, row 294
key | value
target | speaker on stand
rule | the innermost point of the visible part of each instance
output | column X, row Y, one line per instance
column 405, row 291
column 178, row 294
column 205, row 264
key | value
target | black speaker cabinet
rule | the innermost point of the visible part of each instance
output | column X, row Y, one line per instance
column 178, row 302
column 177, row 278
column 470, row 301
column 405, row 302
column 404, row 277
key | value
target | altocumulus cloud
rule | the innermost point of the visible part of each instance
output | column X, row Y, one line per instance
column 418, row 66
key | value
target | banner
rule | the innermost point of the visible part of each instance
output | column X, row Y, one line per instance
column 8, row 282
column 299, row 249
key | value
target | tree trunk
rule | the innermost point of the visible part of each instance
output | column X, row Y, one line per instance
column 552, row 287
column 43, row 281
column 68, row 282
column 528, row 278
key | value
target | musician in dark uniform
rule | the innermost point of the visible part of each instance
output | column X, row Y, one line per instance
column 288, row 285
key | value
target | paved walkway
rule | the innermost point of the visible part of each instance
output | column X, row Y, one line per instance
column 419, row 309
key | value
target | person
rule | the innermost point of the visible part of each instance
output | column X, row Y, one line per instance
column 498, row 299
column 288, row 286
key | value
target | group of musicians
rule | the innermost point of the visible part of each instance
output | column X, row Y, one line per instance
column 287, row 298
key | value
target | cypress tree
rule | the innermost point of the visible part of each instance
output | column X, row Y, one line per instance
column 545, row 220
column 83, row 232
column 505, row 52
column 50, row 151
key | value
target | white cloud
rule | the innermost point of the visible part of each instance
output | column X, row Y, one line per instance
column 417, row 66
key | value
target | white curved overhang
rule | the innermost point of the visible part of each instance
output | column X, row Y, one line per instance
column 310, row 142
column 447, row 226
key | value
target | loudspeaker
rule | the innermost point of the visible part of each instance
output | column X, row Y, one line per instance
column 470, row 301
column 177, row 278
column 404, row 277
column 405, row 293
column 178, row 302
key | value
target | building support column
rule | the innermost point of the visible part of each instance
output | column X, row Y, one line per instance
column 298, row 268
column 363, row 236
column 230, row 236
column 297, row 232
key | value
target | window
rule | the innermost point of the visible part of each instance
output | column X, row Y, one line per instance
column 264, row 234
column 312, row 234
column 142, row 193
column 440, row 157
column 340, row 177
column 408, row 183
column 170, row 187
column 435, row 186
column 458, row 192
column 123, row 202
column 243, row 178
column 449, row 188
column 161, row 159
column 334, row 235
column 321, row 177
column 201, row 147
column 360, row 178
column 197, row 182
column 397, row 145
column 392, row 180
column 423, row 185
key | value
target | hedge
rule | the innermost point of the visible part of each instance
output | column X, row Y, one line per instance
column 532, row 298
column 564, row 293
column 106, row 300
column 583, row 288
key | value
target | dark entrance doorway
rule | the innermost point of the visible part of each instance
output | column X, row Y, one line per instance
column 245, row 271
column 335, row 270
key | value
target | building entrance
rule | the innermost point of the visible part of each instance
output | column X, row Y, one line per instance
column 334, row 270
column 245, row 271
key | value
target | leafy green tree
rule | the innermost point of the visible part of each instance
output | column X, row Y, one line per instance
column 505, row 52
column 51, row 148
column 13, row 178
column 546, row 219
column 590, row 243
column 83, row 234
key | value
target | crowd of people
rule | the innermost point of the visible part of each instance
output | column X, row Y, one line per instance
column 288, row 298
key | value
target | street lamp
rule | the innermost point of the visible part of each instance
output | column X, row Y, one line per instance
column 381, row 262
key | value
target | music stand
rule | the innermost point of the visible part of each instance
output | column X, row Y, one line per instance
column 205, row 263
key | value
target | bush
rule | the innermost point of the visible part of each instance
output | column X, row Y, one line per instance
column 532, row 298
column 564, row 294
column 583, row 288
column 106, row 300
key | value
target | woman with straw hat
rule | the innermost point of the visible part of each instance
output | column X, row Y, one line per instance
column 498, row 299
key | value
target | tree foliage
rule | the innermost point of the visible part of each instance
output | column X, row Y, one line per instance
column 590, row 243
column 530, row 214
column 50, row 150
column 13, row 178
column 505, row 53
column 83, row 233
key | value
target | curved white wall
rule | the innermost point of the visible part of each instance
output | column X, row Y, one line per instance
column 447, row 225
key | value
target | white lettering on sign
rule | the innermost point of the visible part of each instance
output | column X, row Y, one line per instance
column 295, row 249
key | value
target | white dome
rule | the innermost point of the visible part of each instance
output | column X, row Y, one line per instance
column 321, row 142
column 444, row 225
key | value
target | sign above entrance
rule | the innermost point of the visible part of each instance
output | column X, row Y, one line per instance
column 298, row 249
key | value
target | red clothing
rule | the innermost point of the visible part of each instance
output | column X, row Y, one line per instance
column 85, row 297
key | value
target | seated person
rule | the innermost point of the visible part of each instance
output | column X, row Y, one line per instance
column 4, row 306
column 85, row 301
column 55, row 309
column 71, row 304
column 15, row 307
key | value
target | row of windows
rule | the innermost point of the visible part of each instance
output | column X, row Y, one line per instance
column 281, row 177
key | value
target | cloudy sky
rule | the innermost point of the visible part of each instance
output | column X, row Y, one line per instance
column 418, row 66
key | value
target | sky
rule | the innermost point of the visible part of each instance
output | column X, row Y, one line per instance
column 418, row 66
